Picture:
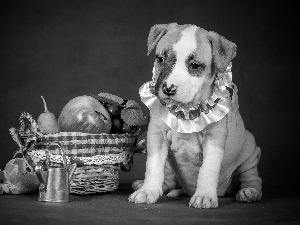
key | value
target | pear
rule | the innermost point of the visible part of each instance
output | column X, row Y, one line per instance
column 47, row 121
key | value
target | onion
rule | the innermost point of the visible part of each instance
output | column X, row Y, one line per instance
column 84, row 114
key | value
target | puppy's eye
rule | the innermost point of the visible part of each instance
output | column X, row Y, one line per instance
column 160, row 59
column 195, row 66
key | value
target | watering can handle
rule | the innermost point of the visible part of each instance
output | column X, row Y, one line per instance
column 38, row 169
column 73, row 167
column 47, row 159
column 62, row 153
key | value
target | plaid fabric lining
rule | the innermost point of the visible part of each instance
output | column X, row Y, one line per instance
column 86, row 145
column 107, row 139
column 123, row 157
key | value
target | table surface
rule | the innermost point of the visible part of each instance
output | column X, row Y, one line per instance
column 113, row 208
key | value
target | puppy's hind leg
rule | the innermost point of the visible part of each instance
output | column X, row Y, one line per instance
column 251, row 183
column 137, row 184
column 175, row 193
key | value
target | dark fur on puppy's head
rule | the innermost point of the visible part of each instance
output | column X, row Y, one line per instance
column 223, row 50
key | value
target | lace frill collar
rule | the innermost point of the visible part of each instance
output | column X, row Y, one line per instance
column 196, row 118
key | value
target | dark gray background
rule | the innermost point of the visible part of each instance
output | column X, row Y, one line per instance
column 62, row 49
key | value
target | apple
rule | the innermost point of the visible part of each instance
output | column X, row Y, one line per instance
column 84, row 114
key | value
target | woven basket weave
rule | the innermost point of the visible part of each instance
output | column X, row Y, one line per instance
column 103, row 155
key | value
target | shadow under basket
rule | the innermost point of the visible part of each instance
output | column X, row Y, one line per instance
column 101, row 158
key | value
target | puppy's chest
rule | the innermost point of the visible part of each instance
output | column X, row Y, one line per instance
column 185, row 149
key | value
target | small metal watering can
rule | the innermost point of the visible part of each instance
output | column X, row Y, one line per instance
column 56, row 187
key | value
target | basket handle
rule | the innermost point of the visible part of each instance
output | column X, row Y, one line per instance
column 27, row 116
column 31, row 139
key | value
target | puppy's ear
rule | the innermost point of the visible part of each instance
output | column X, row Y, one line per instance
column 156, row 33
column 223, row 50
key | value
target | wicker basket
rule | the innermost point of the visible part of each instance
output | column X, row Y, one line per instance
column 101, row 156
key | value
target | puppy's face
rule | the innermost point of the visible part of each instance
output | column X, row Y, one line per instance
column 183, row 66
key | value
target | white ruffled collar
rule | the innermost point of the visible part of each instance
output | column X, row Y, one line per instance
column 195, row 118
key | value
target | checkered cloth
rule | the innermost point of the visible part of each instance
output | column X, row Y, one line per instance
column 86, row 145
column 92, row 149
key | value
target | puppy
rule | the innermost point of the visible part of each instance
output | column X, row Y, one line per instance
column 196, row 141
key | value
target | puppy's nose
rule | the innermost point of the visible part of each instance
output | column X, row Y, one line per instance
column 170, row 91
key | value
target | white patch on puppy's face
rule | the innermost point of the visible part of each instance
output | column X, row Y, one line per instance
column 180, row 75
column 186, row 65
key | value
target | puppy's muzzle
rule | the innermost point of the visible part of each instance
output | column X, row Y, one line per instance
column 169, row 91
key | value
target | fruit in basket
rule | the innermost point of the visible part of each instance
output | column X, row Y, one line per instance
column 127, row 116
column 84, row 114
column 47, row 121
column 116, row 126
column 133, row 115
column 126, row 129
column 114, row 111
column 109, row 98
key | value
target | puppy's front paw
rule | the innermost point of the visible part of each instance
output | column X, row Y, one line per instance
column 204, row 201
column 144, row 196
column 248, row 195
